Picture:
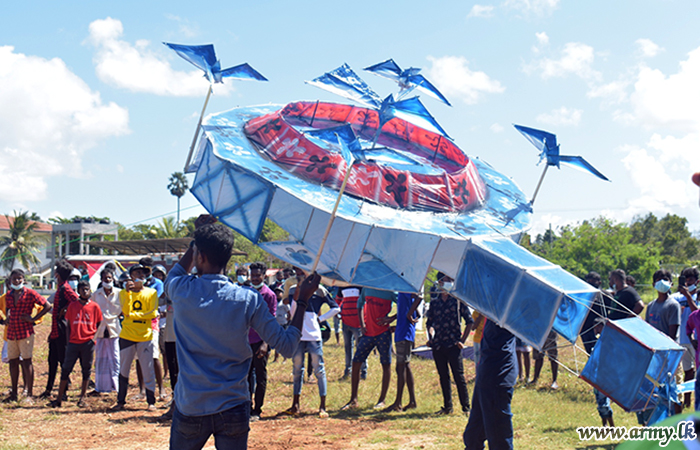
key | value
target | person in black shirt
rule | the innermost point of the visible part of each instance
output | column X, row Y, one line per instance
column 627, row 299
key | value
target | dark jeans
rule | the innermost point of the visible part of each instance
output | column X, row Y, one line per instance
column 446, row 359
column 57, row 354
column 490, row 419
column 230, row 429
column 171, row 358
column 85, row 352
column 257, row 379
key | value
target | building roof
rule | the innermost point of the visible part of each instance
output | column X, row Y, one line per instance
column 41, row 226
column 146, row 246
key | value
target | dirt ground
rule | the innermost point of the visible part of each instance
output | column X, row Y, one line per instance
column 35, row 426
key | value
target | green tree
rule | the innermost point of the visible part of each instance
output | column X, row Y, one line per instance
column 677, row 245
column 600, row 245
column 21, row 242
column 178, row 187
column 168, row 228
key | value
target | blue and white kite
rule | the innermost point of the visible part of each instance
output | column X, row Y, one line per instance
column 204, row 57
column 408, row 79
column 345, row 82
column 549, row 149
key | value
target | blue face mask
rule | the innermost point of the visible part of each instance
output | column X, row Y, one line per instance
column 73, row 284
column 242, row 279
column 17, row 287
column 662, row 286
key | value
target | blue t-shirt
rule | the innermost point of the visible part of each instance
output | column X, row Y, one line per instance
column 155, row 283
column 405, row 330
column 212, row 318
column 498, row 365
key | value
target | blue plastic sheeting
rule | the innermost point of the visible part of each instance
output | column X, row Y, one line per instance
column 369, row 244
column 522, row 292
column 634, row 364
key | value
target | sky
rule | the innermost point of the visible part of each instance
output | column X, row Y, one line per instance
column 95, row 113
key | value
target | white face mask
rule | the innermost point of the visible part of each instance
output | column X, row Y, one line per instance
column 692, row 287
column 73, row 284
column 662, row 286
column 448, row 285
column 242, row 279
column 107, row 285
column 140, row 281
column 17, row 287
column 258, row 286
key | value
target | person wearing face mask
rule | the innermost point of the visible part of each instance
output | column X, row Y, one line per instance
column 107, row 336
column 67, row 278
column 139, row 307
column 627, row 301
column 19, row 306
column 447, row 341
column 242, row 276
column 687, row 298
column 257, row 374
column 153, row 283
column 664, row 314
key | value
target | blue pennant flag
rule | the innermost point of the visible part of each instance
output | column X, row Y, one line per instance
column 549, row 149
column 408, row 79
column 204, row 57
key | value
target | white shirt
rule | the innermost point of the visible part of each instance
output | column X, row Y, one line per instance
column 111, row 308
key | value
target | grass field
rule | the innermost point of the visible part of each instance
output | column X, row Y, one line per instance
column 542, row 418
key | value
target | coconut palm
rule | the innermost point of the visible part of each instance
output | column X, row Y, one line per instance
column 167, row 228
column 21, row 243
column 178, row 187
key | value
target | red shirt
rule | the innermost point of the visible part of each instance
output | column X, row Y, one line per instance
column 348, row 307
column 377, row 304
column 83, row 321
column 17, row 328
column 64, row 296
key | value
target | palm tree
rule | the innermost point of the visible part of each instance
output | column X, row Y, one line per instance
column 178, row 187
column 167, row 228
column 21, row 243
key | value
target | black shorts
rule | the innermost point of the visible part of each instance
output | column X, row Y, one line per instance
column 85, row 352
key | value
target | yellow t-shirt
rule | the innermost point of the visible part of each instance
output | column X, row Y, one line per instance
column 139, row 308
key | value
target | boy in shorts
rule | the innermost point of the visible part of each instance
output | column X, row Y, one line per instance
column 84, row 317
column 404, row 338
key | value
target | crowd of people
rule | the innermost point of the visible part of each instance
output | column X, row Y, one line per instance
column 216, row 335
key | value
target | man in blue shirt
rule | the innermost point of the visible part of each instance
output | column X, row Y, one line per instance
column 404, row 338
column 490, row 419
column 212, row 318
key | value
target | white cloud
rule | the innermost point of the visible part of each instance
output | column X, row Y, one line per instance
column 542, row 38
column 561, row 116
column 48, row 118
column 532, row 7
column 670, row 101
column 575, row 59
column 453, row 77
column 647, row 48
column 137, row 68
column 483, row 11
column 613, row 92
column 497, row 128
column 185, row 28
